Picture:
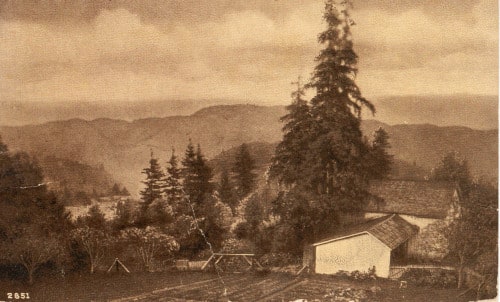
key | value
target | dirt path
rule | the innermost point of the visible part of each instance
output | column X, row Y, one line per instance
column 159, row 292
column 281, row 287
column 231, row 288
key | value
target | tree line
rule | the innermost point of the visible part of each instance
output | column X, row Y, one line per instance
column 184, row 199
column 182, row 212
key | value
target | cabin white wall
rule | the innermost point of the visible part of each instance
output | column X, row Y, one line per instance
column 359, row 252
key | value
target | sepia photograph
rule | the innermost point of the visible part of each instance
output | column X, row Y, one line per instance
column 249, row 150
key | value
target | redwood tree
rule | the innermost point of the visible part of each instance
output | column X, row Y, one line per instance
column 326, row 166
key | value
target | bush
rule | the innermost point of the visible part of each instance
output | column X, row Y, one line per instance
column 358, row 275
column 279, row 260
column 435, row 278
column 235, row 246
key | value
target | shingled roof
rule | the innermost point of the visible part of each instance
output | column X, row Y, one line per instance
column 391, row 230
column 418, row 198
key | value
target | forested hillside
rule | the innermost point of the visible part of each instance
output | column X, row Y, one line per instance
column 76, row 182
column 124, row 147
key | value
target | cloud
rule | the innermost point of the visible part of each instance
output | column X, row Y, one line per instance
column 117, row 52
column 249, row 53
column 413, row 53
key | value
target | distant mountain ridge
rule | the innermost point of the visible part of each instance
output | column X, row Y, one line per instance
column 473, row 111
column 124, row 148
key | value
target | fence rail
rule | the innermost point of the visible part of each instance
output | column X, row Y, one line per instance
column 396, row 272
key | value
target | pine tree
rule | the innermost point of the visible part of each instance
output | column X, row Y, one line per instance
column 115, row 190
column 291, row 151
column 189, row 171
column 154, row 183
column 378, row 160
column 124, row 192
column 204, row 173
column 95, row 218
column 196, row 173
column 226, row 191
column 173, row 186
column 243, row 169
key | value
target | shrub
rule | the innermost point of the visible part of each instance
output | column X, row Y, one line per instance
column 150, row 244
column 370, row 274
column 279, row 259
column 435, row 278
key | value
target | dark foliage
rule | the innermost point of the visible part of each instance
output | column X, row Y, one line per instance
column 173, row 186
column 153, row 182
column 33, row 222
column 243, row 170
column 227, row 192
column 434, row 278
column 197, row 174
column 378, row 160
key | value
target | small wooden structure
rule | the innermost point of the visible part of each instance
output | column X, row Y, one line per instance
column 217, row 257
column 373, row 243
column 117, row 263
column 182, row 264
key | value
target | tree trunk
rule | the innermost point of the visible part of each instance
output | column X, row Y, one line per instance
column 479, row 288
column 91, row 266
column 460, row 276
column 461, row 265
column 30, row 276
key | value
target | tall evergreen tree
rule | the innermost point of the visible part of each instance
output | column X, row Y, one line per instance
column 173, row 183
column 291, row 151
column 226, row 191
column 154, row 183
column 337, row 145
column 204, row 173
column 378, row 160
column 189, row 171
column 197, row 174
column 326, row 170
column 243, row 169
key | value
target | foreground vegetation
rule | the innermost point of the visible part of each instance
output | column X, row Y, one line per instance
column 209, row 287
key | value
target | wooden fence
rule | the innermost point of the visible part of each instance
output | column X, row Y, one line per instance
column 215, row 258
column 396, row 272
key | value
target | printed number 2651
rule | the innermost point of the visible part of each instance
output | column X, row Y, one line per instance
column 18, row 296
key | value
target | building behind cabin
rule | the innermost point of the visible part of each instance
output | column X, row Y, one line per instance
column 429, row 205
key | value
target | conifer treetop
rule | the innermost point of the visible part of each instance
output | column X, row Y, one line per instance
column 334, row 76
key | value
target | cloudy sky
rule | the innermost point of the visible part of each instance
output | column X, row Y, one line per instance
column 237, row 49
